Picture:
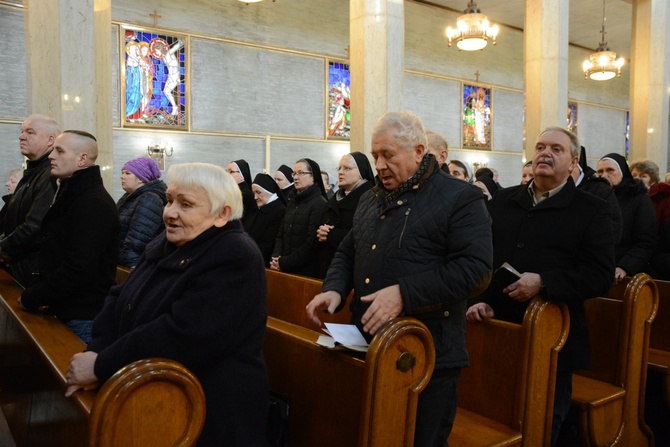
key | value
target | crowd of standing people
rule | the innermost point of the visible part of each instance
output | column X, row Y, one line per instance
column 419, row 235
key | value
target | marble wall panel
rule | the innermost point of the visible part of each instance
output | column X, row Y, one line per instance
column 437, row 102
column 116, row 91
column 241, row 89
column 10, row 155
column 601, row 130
column 507, row 120
column 14, row 91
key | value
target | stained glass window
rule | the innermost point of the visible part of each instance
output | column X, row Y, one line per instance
column 476, row 116
column 155, row 80
column 339, row 100
column 572, row 117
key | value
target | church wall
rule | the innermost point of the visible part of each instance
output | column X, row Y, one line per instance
column 260, row 69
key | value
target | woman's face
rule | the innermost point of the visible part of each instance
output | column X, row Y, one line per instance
column 129, row 181
column 302, row 177
column 646, row 178
column 526, row 175
column 234, row 170
column 260, row 196
column 12, row 182
column 458, row 172
column 281, row 180
column 187, row 214
column 610, row 170
column 347, row 173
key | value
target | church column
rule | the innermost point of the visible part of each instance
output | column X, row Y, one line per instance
column 649, row 82
column 546, row 67
column 68, row 45
column 377, row 48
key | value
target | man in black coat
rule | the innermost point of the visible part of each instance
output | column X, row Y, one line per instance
column 79, row 238
column 420, row 246
column 561, row 239
column 31, row 200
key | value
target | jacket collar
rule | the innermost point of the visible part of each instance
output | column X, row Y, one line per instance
column 561, row 200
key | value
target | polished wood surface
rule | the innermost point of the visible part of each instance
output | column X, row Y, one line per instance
column 340, row 397
column 122, row 273
column 510, row 383
column 162, row 399
column 610, row 397
column 289, row 294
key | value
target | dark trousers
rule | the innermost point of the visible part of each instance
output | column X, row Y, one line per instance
column 562, row 404
column 436, row 409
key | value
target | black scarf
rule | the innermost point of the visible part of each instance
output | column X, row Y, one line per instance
column 426, row 168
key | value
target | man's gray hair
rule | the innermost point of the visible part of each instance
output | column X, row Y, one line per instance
column 575, row 147
column 220, row 187
column 49, row 123
column 408, row 129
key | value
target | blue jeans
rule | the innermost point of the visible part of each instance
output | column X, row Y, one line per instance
column 82, row 329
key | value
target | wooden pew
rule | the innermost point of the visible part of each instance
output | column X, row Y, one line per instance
column 342, row 398
column 150, row 402
column 610, row 397
column 505, row 397
column 659, row 337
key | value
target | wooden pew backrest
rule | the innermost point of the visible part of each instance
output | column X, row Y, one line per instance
column 340, row 398
column 610, row 397
column 513, row 371
column 148, row 388
column 288, row 295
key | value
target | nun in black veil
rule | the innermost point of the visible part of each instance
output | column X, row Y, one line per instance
column 293, row 251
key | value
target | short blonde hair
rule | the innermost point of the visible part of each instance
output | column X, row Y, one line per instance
column 408, row 129
column 220, row 187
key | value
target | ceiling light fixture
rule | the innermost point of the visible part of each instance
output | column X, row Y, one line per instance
column 473, row 30
column 603, row 64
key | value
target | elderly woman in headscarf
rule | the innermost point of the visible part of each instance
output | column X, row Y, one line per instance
column 263, row 225
column 140, row 208
column 239, row 169
column 639, row 232
column 284, row 178
column 197, row 296
column 294, row 252
column 354, row 177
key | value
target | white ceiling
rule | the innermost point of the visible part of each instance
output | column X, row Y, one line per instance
column 586, row 18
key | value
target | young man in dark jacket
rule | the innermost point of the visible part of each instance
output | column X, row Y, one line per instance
column 79, row 238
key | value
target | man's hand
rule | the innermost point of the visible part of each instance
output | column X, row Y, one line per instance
column 479, row 312
column 274, row 263
column 326, row 301
column 619, row 274
column 80, row 373
column 525, row 288
column 386, row 305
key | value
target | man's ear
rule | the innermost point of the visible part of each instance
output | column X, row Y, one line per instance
column 223, row 217
column 419, row 152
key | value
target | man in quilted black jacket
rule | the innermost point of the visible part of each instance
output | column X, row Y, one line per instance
column 420, row 246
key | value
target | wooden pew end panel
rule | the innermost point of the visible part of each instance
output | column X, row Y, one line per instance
column 148, row 387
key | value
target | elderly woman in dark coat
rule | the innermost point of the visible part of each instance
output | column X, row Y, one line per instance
column 638, row 237
column 198, row 297
column 354, row 177
column 294, row 252
column 140, row 208
column 263, row 225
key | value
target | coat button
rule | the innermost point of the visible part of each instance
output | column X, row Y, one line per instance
column 130, row 307
column 374, row 246
column 446, row 313
column 367, row 280
column 382, row 217
column 519, row 245
column 399, row 202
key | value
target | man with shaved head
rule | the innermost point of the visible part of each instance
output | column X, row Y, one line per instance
column 31, row 200
column 78, row 238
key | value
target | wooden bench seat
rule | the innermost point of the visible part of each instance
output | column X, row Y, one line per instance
column 153, row 402
column 505, row 397
column 610, row 397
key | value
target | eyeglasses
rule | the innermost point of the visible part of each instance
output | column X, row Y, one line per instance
column 300, row 173
column 345, row 169
column 230, row 171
